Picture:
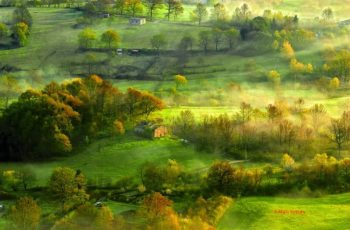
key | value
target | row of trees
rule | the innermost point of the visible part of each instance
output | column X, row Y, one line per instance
column 173, row 8
column 254, row 133
column 111, row 39
column 62, row 115
column 41, row 3
column 87, row 38
column 205, row 39
column 322, row 172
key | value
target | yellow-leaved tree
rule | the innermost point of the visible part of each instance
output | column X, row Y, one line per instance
column 25, row 214
column 180, row 80
column 287, row 162
column 287, row 50
column 334, row 83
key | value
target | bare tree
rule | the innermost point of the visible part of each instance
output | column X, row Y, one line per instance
column 338, row 133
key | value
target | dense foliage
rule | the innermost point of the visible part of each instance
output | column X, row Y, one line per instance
column 50, row 122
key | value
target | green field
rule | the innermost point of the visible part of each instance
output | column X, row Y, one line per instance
column 208, row 75
column 115, row 160
column 329, row 212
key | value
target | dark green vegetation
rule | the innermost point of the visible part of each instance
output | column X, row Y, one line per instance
column 211, row 115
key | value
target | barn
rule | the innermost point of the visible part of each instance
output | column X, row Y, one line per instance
column 150, row 130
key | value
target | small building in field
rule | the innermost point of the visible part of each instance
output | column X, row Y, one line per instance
column 160, row 131
column 150, row 130
column 137, row 21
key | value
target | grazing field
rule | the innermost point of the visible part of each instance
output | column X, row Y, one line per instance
column 109, row 160
column 328, row 212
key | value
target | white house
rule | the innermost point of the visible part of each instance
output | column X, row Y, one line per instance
column 137, row 21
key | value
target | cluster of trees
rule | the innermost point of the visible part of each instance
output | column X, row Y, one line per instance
column 68, row 187
column 242, row 18
column 62, row 115
column 165, row 179
column 133, row 8
column 20, row 27
column 336, row 68
column 337, row 64
column 226, row 179
column 217, row 37
column 88, row 38
column 253, row 133
column 298, row 38
column 156, row 211
column 205, row 40
column 321, row 172
column 22, row 179
column 47, row 3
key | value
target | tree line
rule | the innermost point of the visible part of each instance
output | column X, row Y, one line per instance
column 253, row 133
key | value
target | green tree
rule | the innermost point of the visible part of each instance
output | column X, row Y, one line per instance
column 111, row 38
column 44, row 123
column 242, row 13
column 121, row 6
column 3, row 31
column 134, row 7
column 21, row 33
column 158, row 41
column 186, row 42
column 25, row 214
column 180, row 80
column 173, row 7
column 217, row 37
column 27, row 177
column 68, row 186
column 199, row 13
column 327, row 14
column 152, row 177
column 178, row 9
column 338, row 133
column 9, row 87
column 86, row 38
column 219, row 12
column 152, row 6
column 184, row 124
column 90, row 60
column 340, row 65
column 204, row 39
column 231, row 36
column 220, row 176
column 21, row 14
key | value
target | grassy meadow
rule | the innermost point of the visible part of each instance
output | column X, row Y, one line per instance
column 110, row 160
column 329, row 212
